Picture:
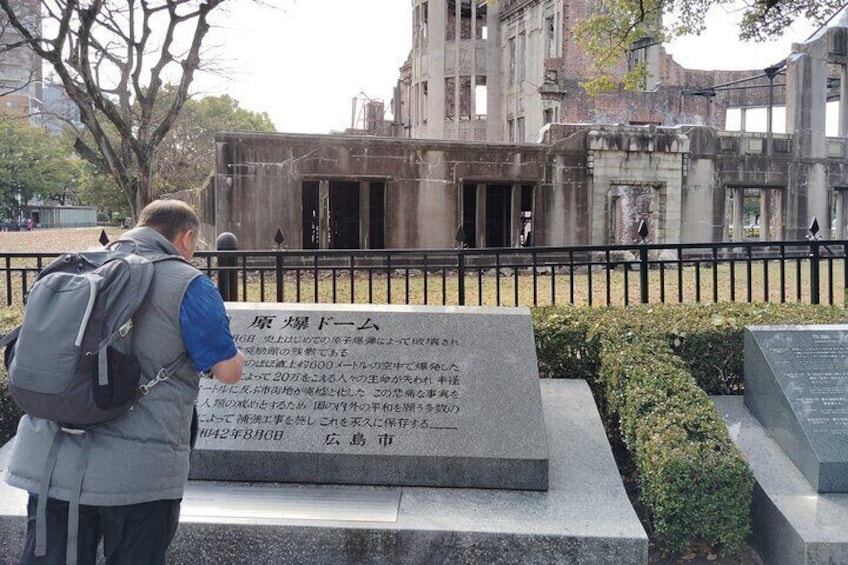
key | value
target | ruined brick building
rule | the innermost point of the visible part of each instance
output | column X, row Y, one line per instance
column 493, row 134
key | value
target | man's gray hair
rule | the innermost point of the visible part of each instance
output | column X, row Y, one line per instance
column 169, row 217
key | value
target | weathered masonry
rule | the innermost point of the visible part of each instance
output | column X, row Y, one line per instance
column 582, row 185
column 501, row 71
column 579, row 183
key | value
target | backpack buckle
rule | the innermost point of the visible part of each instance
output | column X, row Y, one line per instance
column 162, row 376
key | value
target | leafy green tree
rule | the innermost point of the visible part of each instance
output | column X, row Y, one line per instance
column 616, row 25
column 97, row 188
column 187, row 154
column 113, row 57
column 32, row 164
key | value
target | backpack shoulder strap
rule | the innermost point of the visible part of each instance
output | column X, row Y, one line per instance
column 152, row 256
column 10, row 337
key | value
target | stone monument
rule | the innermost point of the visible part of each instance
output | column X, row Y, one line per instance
column 796, row 384
column 376, row 396
column 792, row 427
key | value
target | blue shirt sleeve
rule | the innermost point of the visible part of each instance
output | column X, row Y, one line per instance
column 205, row 326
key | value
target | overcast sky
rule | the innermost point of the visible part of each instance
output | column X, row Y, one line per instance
column 304, row 62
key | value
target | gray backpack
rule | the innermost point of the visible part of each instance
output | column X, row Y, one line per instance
column 70, row 360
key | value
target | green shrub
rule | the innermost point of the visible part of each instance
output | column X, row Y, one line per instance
column 651, row 368
column 707, row 337
column 692, row 480
column 562, row 343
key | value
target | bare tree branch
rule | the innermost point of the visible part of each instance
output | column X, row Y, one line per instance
column 113, row 58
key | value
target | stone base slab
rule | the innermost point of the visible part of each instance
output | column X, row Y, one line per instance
column 792, row 523
column 585, row 516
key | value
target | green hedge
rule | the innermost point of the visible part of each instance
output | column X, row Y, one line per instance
column 708, row 338
column 692, row 480
column 651, row 368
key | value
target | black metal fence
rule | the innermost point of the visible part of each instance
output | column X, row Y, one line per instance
column 812, row 271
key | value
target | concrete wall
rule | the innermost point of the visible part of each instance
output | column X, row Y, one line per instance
column 260, row 177
column 688, row 174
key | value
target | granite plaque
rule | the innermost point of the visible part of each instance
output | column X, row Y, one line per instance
column 796, row 384
column 377, row 395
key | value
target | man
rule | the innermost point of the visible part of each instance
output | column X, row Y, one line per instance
column 134, row 475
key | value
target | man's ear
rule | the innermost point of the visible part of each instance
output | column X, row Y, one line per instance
column 185, row 243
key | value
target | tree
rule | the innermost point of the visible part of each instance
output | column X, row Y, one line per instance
column 32, row 164
column 187, row 154
column 113, row 58
column 97, row 188
column 616, row 25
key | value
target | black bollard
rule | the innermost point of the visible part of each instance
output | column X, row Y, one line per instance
column 227, row 274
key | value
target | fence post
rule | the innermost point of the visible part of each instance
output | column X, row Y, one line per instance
column 460, row 274
column 643, row 261
column 845, row 275
column 279, row 239
column 815, row 267
column 227, row 275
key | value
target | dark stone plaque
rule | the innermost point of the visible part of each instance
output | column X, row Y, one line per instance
column 381, row 395
column 796, row 384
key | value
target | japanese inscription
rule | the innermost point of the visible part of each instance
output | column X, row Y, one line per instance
column 814, row 371
column 367, row 381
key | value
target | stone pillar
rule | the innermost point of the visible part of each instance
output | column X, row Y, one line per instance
column 515, row 217
column 806, row 102
column 480, row 236
column 738, row 214
column 457, row 78
column 777, row 196
column 435, row 74
column 840, row 212
column 472, row 102
column 364, row 215
column 765, row 214
column 495, row 113
column 223, row 192
column 843, row 101
column 324, row 214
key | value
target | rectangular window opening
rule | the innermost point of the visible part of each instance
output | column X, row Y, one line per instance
column 450, row 97
column 520, row 55
column 498, row 215
column 344, row 215
column 469, row 215
column 550, row 37
column 481, row 97
column 526, row 216
column 309, row 208
column 465, row 97
column 377, row 216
